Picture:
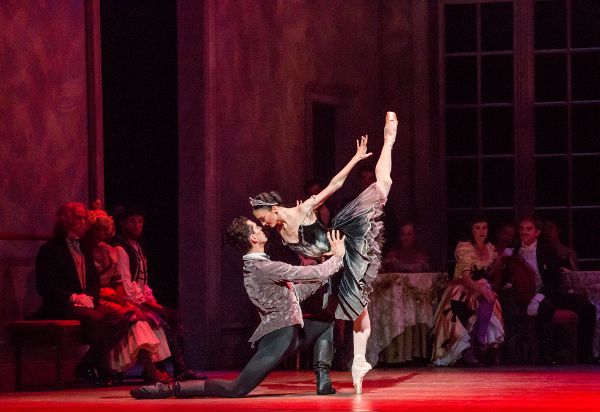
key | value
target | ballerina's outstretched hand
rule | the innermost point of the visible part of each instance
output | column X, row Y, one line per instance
column 361, row 149
column 338, row 180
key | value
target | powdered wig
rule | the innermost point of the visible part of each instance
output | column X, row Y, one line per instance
column 101, row 218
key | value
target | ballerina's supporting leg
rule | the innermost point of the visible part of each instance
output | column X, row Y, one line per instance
column 360, row 366
column 383, row 168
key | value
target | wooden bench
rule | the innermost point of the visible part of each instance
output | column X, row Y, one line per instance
column 54, row 333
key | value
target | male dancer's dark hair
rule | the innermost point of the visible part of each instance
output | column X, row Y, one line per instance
column 238, row 234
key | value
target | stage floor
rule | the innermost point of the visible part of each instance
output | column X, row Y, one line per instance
column 422, row 389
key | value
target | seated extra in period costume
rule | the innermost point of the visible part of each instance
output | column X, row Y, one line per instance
column 456, row 315
column 141, row 335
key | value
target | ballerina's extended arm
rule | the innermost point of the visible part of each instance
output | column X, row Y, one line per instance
column 338, row 180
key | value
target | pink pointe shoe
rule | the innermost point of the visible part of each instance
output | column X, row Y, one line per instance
column 360, row 367
column 391, row 127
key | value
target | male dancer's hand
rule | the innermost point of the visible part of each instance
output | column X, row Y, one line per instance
column 337, row 244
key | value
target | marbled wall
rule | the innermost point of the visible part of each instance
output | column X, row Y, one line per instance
column 43, row 134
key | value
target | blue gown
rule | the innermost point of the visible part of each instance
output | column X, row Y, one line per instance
column 360, row 221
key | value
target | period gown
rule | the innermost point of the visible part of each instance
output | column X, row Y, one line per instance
column 109, row 262
column 457, row 311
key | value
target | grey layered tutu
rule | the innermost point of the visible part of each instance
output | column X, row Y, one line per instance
column 360, row 221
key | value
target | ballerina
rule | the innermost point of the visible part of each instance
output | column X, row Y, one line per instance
column 304, row 234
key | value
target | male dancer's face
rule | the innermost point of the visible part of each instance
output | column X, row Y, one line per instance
column 257, row 232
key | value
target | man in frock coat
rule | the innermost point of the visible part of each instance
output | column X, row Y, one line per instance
column 69, row 284
column 544, row 260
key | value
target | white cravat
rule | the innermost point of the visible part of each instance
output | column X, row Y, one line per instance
column 258, row 256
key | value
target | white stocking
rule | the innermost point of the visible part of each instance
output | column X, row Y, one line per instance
column 383, row 168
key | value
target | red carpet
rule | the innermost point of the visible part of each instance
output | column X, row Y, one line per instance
column 418, row 389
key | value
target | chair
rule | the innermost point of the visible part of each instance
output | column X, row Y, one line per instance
column 564, row 325
column 565, row 331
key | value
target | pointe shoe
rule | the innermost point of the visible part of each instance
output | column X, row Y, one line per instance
column 391, row 128
column 360, row 367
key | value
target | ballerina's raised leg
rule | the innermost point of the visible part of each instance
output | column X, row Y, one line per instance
column 362, row 324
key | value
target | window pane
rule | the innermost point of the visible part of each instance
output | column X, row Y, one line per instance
column 588, row 265
column 461, row 80
column 585, row 72
column 585, row 17
column 551, row 180
column 586, row 181
column 461, row 132
column 550, row 77
column 497, row 79
column 550, row 25
column 496, row 26
column 498, row 182
column 497, row 130
column 586, row 128
column 586, row 233
column 462, row 183
column 458, row 231
column 550, row 130
column 461, row 28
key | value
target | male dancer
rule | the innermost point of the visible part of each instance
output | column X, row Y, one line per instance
column 276, row 289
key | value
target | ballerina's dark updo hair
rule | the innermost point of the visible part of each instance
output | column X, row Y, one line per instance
column 266, row 200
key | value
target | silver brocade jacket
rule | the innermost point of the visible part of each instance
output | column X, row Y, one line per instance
column 266, row 283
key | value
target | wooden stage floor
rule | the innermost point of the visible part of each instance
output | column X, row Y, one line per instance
column 403, row 389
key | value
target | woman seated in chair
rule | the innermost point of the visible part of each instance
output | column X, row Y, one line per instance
column 143, row 342
column 468, row 320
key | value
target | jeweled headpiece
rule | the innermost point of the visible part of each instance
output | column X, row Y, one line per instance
column 258, row 202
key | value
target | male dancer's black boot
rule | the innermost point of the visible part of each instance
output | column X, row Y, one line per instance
column 322, row 358
column 175, row 338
